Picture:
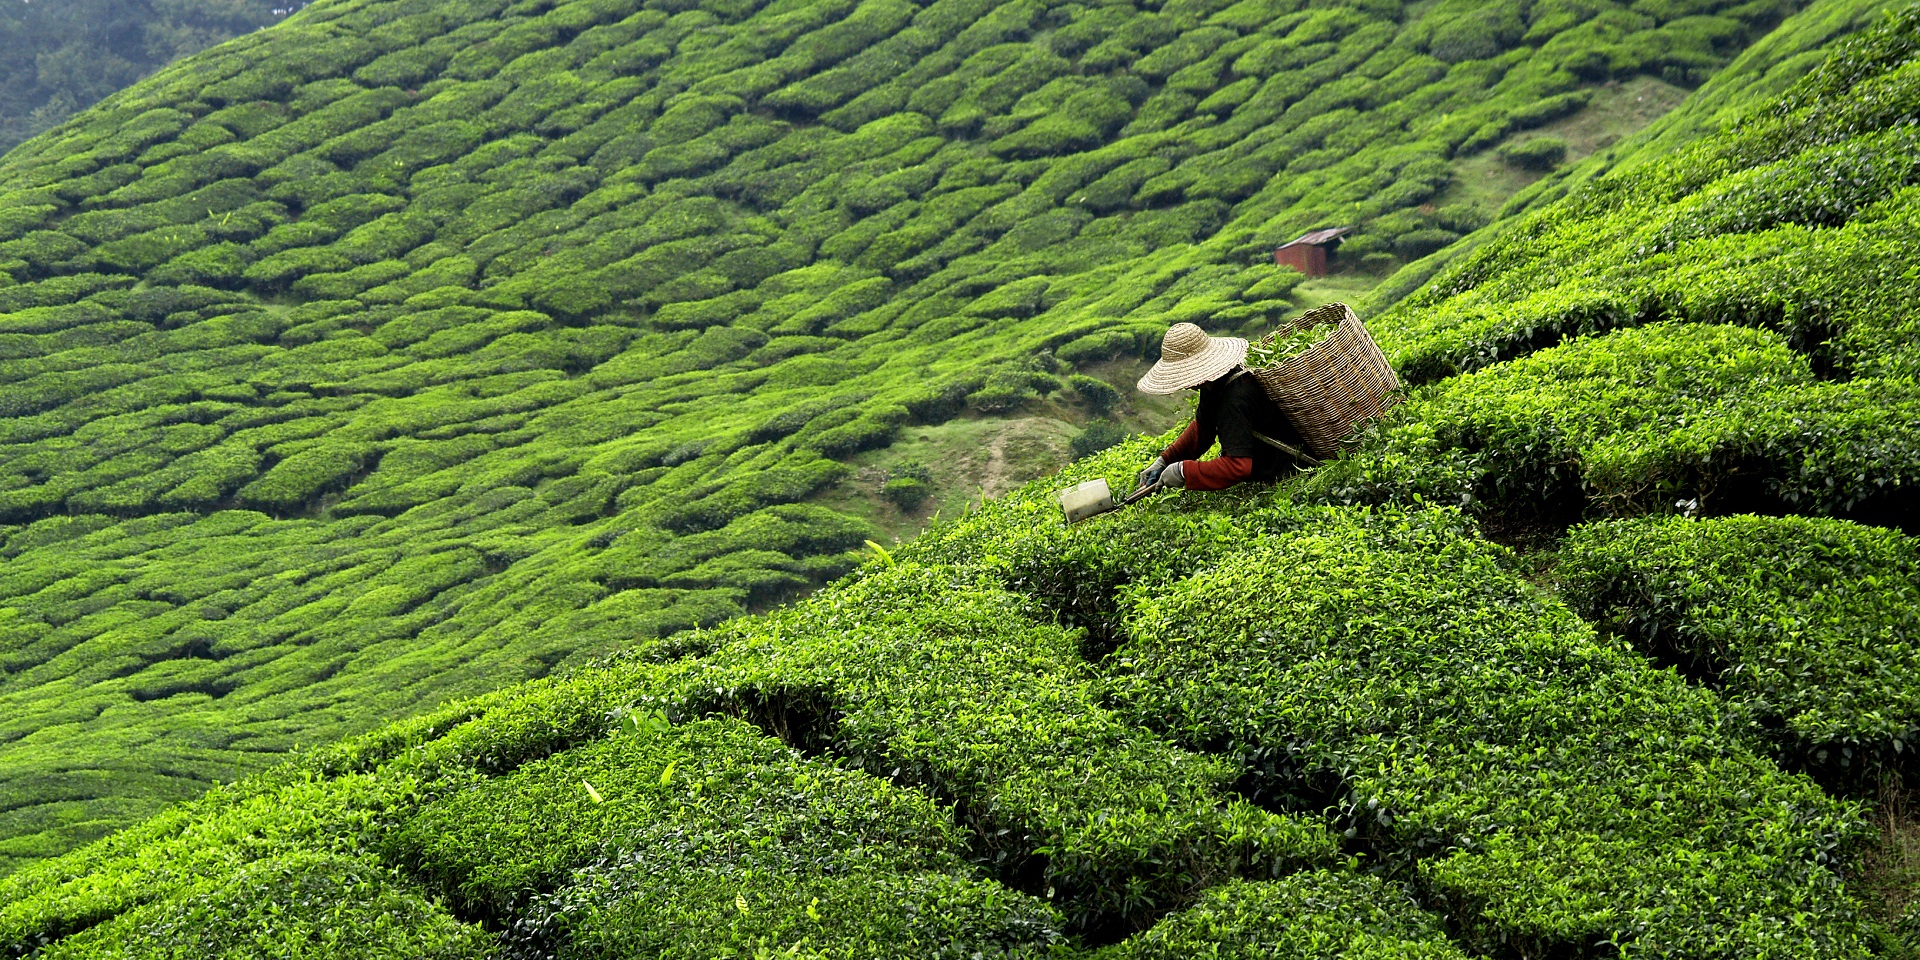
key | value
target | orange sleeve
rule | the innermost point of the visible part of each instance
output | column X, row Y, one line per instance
column 1190, row 444
column 1216, row 474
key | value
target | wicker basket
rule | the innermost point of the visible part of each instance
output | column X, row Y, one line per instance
column 1334, row 385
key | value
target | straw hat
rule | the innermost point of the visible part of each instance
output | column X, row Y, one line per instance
column 1189, row 358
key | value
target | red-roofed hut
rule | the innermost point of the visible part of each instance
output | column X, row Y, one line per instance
column 1309, row 253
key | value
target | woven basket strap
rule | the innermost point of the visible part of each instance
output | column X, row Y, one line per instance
column 1288, row 448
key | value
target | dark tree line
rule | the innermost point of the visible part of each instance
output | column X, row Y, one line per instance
column 58, row 56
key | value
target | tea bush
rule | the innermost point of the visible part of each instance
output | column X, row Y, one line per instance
column 675, row 839
column 908, row 485
column 1810, row 624
column 1314, row 914
column 319, row 904
column 1538, row 153
column 1098, row 436
column 1478, row 734
column 1654, row 419
column 1099, row 395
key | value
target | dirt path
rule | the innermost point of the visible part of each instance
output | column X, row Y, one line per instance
column 994, row 480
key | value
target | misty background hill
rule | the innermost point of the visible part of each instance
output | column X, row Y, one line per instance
column 59, row 56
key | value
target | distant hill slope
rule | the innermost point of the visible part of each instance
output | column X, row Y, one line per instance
column 408, row 349
column 58, row 58
column 1761, row 71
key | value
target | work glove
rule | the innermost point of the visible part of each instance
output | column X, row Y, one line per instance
column 1174, row 476
column 1151, row 473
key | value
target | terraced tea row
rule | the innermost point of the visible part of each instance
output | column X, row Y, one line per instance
column 1812, row 625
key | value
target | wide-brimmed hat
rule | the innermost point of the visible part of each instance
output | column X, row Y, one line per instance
column 1189, row 358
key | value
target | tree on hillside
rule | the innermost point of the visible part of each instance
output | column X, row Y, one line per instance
column 58, row 57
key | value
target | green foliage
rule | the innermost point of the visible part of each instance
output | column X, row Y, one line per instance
column 322, row 905
column 1099, row 346
column 1098, row 394
column 1415, row 244
column 664, row 832
column 1810, row 624
column 1793, row 220
column 667, row 845
column 908, row 485
column 1098, row 435
column 185, row 865
column 1653, row 419
column 1011, row 386
column 1312, row 914
column 936, row 659
column 1536, row 153
column 681, row 839
column 1475, row 32
column 1382, row 671
column 405, row 351
column 303, row 476
column 1482, row 731
column 1388, row 666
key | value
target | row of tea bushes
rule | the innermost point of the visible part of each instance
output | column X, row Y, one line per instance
column 935, row 676
column 1690, row 416
column 1812, row 625
column 1463, row 725
column 367, row 849
column 1554, row 792
column 706, row 838
column 1318, row 913
column 672, row 837
column 321, row 904
column 171, row 882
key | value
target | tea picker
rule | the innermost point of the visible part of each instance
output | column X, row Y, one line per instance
column 1311, row 383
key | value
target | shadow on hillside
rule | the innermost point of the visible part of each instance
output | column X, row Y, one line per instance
column 1748, row 486
column 1887, row 880
column 807, row 720
column 1747, row 490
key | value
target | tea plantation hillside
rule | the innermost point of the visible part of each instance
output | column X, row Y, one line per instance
column 412, row 348
column 1327, row 718
column 1729, row 331
column 1356, row 731
column 1743, row 313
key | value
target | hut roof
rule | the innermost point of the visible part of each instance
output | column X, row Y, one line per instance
column 1318, row 237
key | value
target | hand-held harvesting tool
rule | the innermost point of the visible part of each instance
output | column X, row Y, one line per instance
column 1094, row 497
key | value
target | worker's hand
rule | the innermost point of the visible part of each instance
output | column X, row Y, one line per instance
column 1174, row 476
column 1151, row 473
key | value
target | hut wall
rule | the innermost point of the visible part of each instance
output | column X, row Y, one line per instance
column 1307, row 258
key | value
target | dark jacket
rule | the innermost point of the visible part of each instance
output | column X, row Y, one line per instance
column 1231, row 410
